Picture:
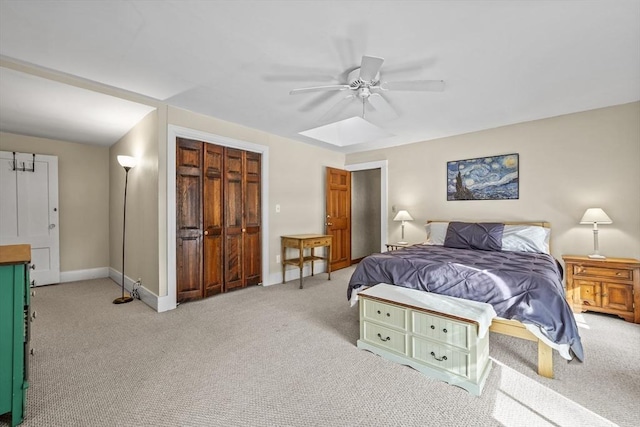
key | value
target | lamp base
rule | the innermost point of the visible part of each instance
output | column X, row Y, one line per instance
column 123, row 300
column 597, row 256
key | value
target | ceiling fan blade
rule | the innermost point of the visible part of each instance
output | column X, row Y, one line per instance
column 370, row 67
column 318, row 89
column 337, row 109
column 381, row 105
column 415, row 85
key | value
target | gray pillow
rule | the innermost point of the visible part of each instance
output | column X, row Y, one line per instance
column 484, row 236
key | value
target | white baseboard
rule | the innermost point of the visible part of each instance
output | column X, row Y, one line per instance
column 146, row 296
column 293, row 272
column 88, row 274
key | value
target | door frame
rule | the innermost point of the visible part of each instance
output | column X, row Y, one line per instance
column 383, row 165
column 168, row 302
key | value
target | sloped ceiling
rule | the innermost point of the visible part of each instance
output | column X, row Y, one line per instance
column 503, row 63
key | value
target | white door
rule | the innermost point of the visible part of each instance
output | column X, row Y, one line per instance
column 29, row 210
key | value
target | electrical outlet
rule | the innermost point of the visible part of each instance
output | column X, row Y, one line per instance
column 278, row 259
column 277, row 208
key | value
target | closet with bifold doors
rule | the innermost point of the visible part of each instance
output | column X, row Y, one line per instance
column 218, row 219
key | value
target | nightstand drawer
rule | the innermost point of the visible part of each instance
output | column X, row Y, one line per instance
column 441, row 356
column 591, row 271
column 385, row 337
column 441, row 329
column 386, row 314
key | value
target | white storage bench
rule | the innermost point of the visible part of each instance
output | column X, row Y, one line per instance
column 443, row 337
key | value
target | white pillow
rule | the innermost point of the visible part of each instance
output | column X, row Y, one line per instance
column 526, row 238
column 436, row 232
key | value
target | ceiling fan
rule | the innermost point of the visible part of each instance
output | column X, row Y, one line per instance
column 364, row 83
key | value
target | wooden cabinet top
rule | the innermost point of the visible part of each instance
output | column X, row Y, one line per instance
column 620, row 262
column 15, row 254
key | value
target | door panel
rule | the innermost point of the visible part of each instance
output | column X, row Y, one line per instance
column 252, row 219
column 213, row 197
column 233, row 218
column 29, row 211
column 189, row 250
column 338, row 216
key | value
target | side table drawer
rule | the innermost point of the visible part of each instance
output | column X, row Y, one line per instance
column 441, row 329
column 321, row 241
column 591, row 271
column 385, row 337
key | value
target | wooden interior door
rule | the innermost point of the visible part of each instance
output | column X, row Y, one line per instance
column 252, row 258
column 233, row 224
column 338, row 216
column 213, row 200
column 189, row 158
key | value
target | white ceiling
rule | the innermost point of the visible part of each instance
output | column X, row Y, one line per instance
column 503, row 62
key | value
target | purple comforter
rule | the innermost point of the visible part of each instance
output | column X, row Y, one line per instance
column 519, row 285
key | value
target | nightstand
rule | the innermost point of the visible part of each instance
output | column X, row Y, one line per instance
column 394, row 246
column 610, row 285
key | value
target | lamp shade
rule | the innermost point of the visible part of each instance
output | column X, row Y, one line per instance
column 127, row 161
column 403, row 216
column 595, row 215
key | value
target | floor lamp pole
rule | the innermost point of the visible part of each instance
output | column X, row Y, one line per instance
column 129, row 298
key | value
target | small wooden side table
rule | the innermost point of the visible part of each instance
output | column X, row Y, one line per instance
column 394, row 246
column 302, row 242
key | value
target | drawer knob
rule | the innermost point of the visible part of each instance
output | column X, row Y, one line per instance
column 444, row 330
column 438, row 359
column 433, row 327
column 383, row 339
column 379, row 312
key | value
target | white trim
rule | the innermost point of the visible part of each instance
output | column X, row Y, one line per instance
column 146, row 296
column 383, row 165
column 87, row 274
column 319, row 267
column 174, row 132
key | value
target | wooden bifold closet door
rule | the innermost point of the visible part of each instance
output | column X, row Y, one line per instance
column 218, row 219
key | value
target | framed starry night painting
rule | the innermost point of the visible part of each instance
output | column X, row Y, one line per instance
column 484, row 178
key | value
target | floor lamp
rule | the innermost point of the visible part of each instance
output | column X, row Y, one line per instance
column 127, row 162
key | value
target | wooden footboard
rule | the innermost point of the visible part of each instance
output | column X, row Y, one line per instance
column 516, row 329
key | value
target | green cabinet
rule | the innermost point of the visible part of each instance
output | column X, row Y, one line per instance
column 14, row 330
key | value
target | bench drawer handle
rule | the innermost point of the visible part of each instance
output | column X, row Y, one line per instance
column 383, row 339
column 440, row 359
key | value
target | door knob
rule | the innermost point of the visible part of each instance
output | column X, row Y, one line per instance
column 206, row 233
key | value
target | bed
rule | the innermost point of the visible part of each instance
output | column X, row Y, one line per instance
column 507, row 265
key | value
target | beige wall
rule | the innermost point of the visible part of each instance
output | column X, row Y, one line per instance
column 567, row 164
column 142, row 239
column 296, row 179
column 83, row 192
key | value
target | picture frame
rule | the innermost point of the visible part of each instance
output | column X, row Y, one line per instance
column 484, row 178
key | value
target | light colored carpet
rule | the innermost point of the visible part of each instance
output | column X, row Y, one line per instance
column 281, row 356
